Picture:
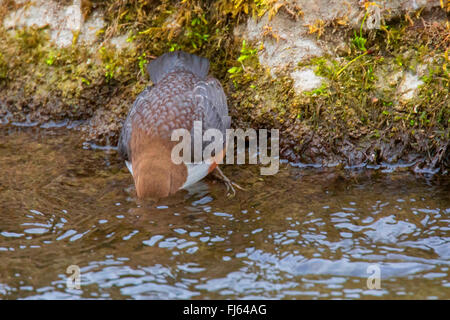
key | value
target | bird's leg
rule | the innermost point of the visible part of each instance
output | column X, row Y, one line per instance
column 217, row 173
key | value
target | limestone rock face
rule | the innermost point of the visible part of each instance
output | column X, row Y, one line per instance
column 293, row 43
column 287, row 40
column 64, row 21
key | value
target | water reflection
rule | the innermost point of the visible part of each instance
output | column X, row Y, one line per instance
column 304, row 233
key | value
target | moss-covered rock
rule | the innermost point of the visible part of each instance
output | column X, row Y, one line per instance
column 374, row 96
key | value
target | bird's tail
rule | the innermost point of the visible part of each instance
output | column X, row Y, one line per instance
column 177, row 60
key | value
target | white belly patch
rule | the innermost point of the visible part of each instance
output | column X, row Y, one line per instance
column 129, row 166
column 196, row 172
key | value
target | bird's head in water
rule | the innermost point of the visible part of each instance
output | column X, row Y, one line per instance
column 155, row 175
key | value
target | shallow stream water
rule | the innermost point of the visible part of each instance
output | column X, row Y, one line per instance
column 303, row 233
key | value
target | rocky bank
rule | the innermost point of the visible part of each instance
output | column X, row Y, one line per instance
column 348, row 83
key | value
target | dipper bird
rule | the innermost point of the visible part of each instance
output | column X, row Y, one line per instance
column 182, row 93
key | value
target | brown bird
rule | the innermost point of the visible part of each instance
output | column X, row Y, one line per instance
column 182, row 93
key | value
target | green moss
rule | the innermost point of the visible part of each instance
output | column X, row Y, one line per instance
column 3, row 68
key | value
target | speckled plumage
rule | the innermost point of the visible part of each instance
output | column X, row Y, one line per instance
column 182, row 94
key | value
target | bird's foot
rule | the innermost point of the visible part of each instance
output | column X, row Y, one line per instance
column 218, row 174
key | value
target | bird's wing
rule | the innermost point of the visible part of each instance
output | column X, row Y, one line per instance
column 211, row 105
column 125, row 135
